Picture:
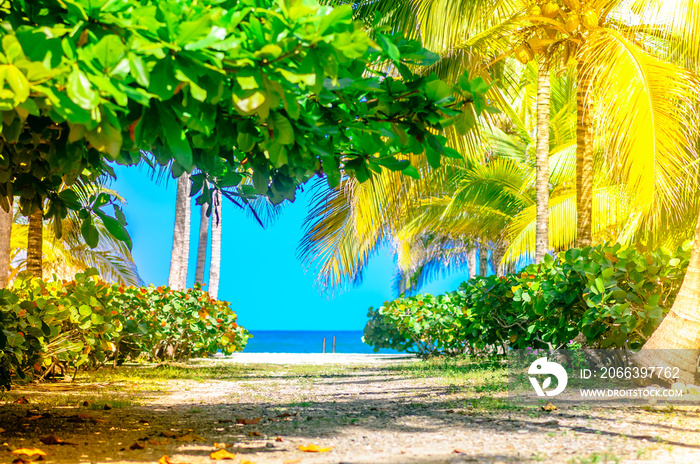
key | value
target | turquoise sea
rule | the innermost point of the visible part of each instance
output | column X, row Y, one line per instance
column 307, row 341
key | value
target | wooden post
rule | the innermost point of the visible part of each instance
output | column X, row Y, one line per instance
column 333, row 343
column 324, row 345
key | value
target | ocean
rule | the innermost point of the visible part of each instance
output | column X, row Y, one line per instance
column 308, row 341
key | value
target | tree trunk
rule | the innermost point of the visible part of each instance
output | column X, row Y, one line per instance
column 676, row 342
column 496, row 257
column 5, row 235
column 542, row 158
column 35, row 241
column 483, row 260
column 471, row 262
column 179, row 258
column 584, row 163
column 202, row 246
column 215, row 262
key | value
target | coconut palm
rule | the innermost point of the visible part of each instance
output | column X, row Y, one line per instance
column 5, row 235
column 180, row 255
column 69, row 254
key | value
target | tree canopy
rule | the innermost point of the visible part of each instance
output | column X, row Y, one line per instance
column 277, row 90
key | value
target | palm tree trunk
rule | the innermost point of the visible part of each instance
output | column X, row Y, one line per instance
column 179, row 257
column 676, row 342
column 584, row 163
column 35, row 243
column 471, row 262
column 215, row 262
column 202, row 246
column 542, row 158
column 496, row 257
column 483, row 260
column 5, row 235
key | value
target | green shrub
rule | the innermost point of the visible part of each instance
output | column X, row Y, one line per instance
column 87, row 322
column 615, row 296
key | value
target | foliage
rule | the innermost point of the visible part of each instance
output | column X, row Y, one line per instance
column 276, row 90
column 615, row 296
column 85, row 322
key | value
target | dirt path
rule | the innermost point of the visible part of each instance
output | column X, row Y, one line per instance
column 377, row 413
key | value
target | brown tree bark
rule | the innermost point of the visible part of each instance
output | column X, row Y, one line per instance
column 542, row 160
column 179, row 257
column 35, row 241
column 483, row 260
column 584, row 163
column 676, row 342
column 6, row 218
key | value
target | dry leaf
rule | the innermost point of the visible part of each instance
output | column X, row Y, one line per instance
column 222, row 454
column 293, row 461
column 21, row 400
column 190, row 437
column 254, row 433
column 29, row 451
column 314, row 449
column 224, row 421
column 245, row 461
column 137, row 446
column 221, row 445
column 169, row 434
column 153, row 441
column 279, row 439
column 255, row 420
column 54, row 440
column 21, row 460
column 284, row 414
column 460, row 451
column 1, row 430
column 549, row 407
column 164, row 460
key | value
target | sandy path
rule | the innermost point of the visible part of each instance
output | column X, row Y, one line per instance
column 365, row 413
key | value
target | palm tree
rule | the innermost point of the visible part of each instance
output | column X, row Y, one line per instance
column 202, row 244
column 35, row 243
column 69, row 254
column 5, row 234
column 180, row 255
column 215, row 263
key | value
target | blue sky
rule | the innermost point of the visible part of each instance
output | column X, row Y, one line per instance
column 260, row 274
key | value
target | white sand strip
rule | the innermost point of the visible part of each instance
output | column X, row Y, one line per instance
column 315, row 358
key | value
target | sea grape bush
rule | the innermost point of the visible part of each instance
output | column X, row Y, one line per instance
column 86, row 322
column 614, row 296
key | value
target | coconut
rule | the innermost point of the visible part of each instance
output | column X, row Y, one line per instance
column 524, row 54
column 572, row 22
column 590, row 19
column 534, row 10
column 550, row 10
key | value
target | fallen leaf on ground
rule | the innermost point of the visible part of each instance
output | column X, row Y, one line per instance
column 224, row 421
column 29, row 451
column 169, row 434
column 153, row 441
column 314, row 449
column 107, row 407
column 21, row 460
column 549, row 407
column 54, row 440
column 137, row 445
column 279, row 439
column 245, row 461
column 1, row 430
column 460, row 451
column 144, row 421
column 222, row 454
column 293, row 461
column 21, row 400
column 164, row 460
column 284, row 414
column 79, row 418
column 221, row 445
column 254, row 433
column 253, row 421
column 190, row 437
